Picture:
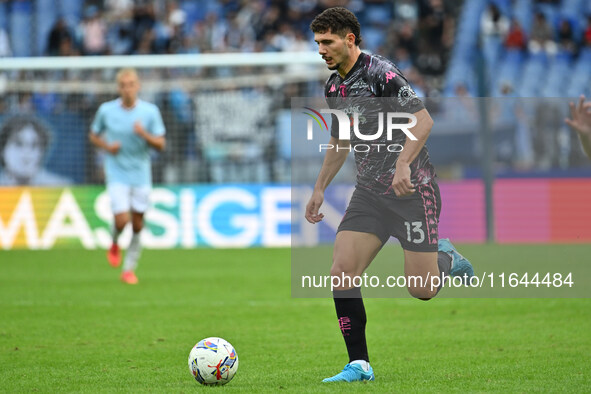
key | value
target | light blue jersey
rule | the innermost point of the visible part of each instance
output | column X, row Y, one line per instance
column 131, row 165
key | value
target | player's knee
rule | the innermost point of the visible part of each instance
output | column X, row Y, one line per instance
column 343, row 269
column 422, row 293
column 137, row 223
column 337, row 269
column 120, row 223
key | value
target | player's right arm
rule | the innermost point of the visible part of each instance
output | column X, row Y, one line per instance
column 95, row 134
column 333, row 161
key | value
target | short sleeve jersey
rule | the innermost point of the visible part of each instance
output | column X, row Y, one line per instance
column 131, row 165
column 375, row 76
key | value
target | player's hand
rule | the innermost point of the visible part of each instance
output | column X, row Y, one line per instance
column 139, row 129
column 113, row 148
column 401, row 182
column 313, row 206
column 580, row 117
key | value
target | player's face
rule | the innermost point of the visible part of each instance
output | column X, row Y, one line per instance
column 333, row 49
column 128, row 86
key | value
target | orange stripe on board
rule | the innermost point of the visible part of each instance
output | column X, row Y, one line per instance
column 570, row 210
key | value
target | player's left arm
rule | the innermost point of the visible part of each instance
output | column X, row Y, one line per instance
column 156, row 136
column 393, row 84
column 401, row 183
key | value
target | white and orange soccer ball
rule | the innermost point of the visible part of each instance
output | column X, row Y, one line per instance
column 213, row 361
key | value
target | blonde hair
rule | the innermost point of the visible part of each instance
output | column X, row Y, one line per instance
column 126, row 71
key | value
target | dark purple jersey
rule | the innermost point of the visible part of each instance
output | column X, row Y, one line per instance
column 373, row 76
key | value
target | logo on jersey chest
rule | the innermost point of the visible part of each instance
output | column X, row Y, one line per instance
column 359, row 84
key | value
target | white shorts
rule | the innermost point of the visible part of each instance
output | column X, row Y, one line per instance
column 125, row 198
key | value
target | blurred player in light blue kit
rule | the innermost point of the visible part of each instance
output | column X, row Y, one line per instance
column 126, row 128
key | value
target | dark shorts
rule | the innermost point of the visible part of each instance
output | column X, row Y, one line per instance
column 413, row 220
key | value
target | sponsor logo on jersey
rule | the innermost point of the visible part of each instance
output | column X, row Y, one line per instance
column 360, row 84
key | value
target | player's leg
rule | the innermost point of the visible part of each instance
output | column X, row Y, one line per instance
column 448, row 257
column 426, row 271
column 120, row 204
column 353, row 252
column 140, row 197
column 426, row 262
column 359, row 238
column 460, row 266
column 420, row 268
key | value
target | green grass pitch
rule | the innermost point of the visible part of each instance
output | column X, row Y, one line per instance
column 68, row 325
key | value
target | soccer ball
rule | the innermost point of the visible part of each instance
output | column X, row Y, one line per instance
column 213, row 361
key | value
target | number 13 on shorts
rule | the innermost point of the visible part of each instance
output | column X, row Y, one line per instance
column 414, row 232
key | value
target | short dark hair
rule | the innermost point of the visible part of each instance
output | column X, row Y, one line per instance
column 337, row 20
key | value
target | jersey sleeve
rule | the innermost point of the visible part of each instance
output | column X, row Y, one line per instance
column 98, row 124
column 157, row 125
column 391, row 83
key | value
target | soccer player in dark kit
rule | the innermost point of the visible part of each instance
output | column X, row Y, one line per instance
column 396, row 192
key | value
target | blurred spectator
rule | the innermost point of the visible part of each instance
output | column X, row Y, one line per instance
column 238, row 37
column 143, row 22
column 494, row 26
column 417, row 82
column 435, row 38
column 284, row 39
column 147, row 43
column 118, row 15
column 493, row 23
column 4, row 44
column 406, row 10
column 68, row 48
column 269, row 22
column 93, row 32
column 402, row 59
column 121, row 40
column 566, row 37
column 406, row 38
column 118, row 10
column 587, row 32
column 510, row 110
column 174, row 29
column 547, row 121
column 515, row 37
column 542, row 36
column 60, row 36
column 215, row 31
column 400, row 44
column 197, row 40
column 462, row 107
